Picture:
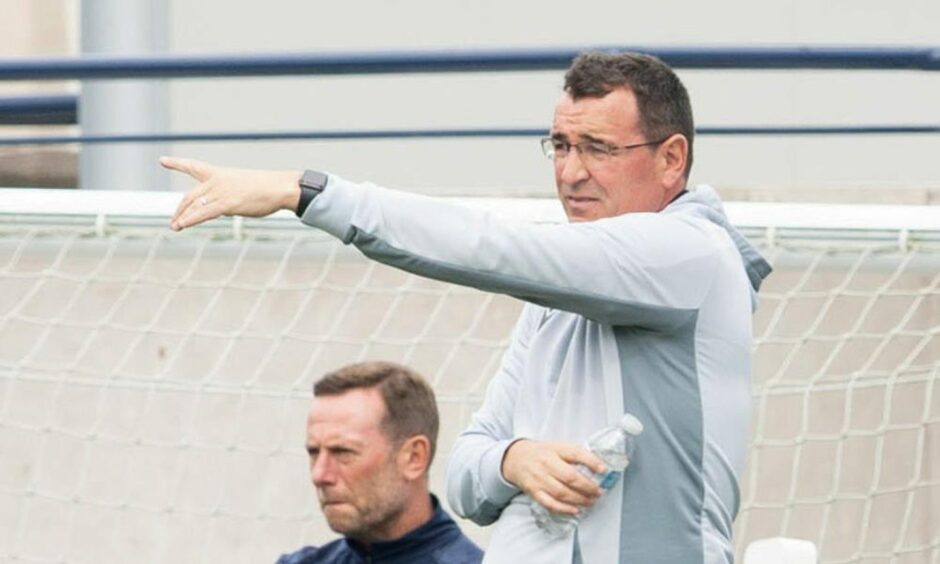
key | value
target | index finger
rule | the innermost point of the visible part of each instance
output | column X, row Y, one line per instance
column 197, row 169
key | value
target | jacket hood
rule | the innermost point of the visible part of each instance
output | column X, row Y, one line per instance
column 703, row 201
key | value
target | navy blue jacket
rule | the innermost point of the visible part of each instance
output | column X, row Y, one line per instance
column 439, row 541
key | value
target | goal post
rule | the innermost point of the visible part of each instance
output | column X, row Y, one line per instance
column 153, row 385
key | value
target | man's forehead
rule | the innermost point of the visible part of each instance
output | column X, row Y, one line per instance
column 611, row 114
column 361, row 409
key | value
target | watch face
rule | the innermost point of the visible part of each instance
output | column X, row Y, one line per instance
column 313, row 179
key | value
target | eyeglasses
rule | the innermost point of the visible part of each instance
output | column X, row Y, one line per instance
column 590, row 150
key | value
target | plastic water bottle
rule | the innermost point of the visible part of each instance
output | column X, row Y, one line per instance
column 614, row 446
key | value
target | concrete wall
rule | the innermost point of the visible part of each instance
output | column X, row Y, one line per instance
column 884, row 169
column 873, row 168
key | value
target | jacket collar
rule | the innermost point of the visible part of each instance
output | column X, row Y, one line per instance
column 439, row 530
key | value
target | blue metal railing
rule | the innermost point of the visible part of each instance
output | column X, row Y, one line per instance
column 755, row 58
column 63, row 109
column 57, row 109
column 352, row 135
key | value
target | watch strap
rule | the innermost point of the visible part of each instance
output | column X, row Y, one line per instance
column 311, row 182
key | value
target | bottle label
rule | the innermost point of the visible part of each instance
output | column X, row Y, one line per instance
column 608, row 480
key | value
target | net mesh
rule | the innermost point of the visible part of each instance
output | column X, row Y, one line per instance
column 154, row 386
column 846, row 440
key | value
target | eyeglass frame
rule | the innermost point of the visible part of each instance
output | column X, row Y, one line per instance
column 548, row 147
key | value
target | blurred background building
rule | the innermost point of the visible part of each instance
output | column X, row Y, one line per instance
column 877, row 168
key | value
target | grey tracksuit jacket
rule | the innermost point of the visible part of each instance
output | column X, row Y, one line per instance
column 648, row 313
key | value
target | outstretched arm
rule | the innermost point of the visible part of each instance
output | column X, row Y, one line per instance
column 648, row 270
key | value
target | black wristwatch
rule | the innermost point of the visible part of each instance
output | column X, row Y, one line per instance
column 311, row 184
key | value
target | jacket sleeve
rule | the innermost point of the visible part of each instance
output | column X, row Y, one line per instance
column 643, row 269
column 476, row 489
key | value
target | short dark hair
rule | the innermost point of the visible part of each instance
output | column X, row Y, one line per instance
column 661, row 97
column 410, row 407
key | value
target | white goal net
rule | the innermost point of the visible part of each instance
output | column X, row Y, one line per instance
column 154, row 385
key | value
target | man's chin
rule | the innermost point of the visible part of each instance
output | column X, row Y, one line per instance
column 343, row 524
column 583, row 210
column 339, row 514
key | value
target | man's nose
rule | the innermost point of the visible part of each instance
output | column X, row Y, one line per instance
column 321, row 470
column 573, row 171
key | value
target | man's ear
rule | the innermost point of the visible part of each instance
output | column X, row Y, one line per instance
column 674, row 156
column 414, row 457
